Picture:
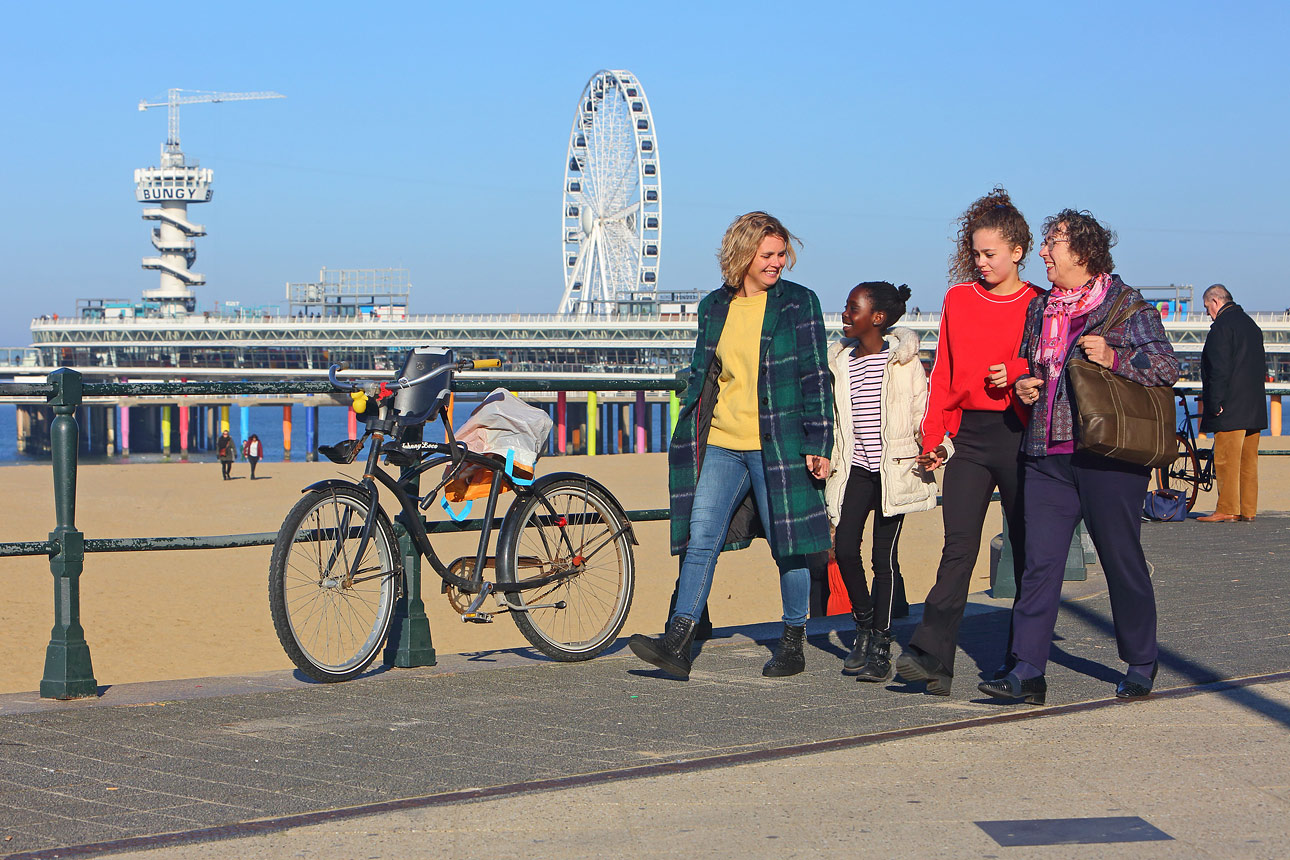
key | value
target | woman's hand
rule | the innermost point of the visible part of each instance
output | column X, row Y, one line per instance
column 818, row 466
column 998, row 376
column 1097, row 350
column 933, row 459
column 1027, row 389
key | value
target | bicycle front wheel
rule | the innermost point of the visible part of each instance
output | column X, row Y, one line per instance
column 1183, row 475
column 570, row 525
column 331, row 614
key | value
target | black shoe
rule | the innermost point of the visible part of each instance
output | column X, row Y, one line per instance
column 917, row 665
column 788, row 659
column 877, row 664
column 1032, row 691
column 856, row 658
column 1004, row 670
column 1135, row 686
column 671, row 651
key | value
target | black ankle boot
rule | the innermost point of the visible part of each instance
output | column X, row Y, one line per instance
column 671, row 651
column 788, row 659
column 877, row 664
column 864, row 624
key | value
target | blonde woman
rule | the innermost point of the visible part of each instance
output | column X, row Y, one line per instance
column 752, row 440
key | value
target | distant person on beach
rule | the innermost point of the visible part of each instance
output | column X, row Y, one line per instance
column 879, row 396
column 253, row 451
column 752, row 440
column 974, row 421
column 225, row 451
column 1064, row 485
column 1233, row 368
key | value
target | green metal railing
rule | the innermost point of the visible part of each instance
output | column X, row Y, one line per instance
column 69, row 672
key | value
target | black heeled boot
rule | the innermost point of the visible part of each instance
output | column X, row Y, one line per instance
column 788, row 659
column 856, row 659
column 669, row 652
column 877, row 663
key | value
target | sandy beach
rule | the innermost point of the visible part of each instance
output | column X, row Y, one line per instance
column 169, row 615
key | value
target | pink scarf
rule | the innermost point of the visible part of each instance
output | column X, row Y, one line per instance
column 1063, row 305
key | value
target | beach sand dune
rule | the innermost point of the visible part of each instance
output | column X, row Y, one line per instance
column 200, row 613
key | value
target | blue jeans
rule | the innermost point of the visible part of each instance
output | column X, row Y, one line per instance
column 724, row 481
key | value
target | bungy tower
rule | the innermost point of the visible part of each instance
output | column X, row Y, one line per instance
column 167, row 191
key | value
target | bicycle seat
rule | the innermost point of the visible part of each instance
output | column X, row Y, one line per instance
column 342, row 452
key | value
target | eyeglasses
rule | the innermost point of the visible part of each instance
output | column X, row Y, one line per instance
column 1050, row 242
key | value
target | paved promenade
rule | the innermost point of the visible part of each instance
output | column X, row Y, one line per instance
column 629, row 763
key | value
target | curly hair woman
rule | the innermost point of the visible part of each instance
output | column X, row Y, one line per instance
column 973, row 423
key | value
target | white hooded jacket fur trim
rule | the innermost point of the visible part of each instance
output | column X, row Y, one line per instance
column 905, row 487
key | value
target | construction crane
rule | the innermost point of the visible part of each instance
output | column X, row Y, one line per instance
column 191, row 97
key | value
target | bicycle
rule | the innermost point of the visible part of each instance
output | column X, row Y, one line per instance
column 1193, row 471
column 563, row 565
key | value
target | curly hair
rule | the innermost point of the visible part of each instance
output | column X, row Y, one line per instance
column 994, row 211
column 886, row 297
column 739, row 245
column 1090, row 242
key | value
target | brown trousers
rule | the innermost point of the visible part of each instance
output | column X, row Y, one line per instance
column 1236, row 465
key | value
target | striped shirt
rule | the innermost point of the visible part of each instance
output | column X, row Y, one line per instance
column 866, row 408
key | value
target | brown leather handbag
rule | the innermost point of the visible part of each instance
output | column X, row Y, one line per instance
column 1117, row 417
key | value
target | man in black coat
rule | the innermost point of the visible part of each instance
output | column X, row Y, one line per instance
column 1232, row 371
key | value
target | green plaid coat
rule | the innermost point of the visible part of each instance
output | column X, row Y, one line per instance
column 795, row 400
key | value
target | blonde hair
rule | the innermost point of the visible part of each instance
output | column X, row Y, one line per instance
column 743, row 236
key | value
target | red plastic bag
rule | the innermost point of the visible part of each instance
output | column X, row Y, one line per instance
column 839, row 602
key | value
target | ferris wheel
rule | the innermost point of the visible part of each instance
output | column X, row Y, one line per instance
column 611, row 224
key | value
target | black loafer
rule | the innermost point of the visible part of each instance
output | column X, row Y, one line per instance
column 916, row 665
column 1032, row 691
column 1135, row 686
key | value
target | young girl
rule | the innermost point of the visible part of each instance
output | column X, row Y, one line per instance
column 974, row 420
column 879, row 396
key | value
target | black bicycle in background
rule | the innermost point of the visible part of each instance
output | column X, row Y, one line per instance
column 1193, row 471
column 562, row 562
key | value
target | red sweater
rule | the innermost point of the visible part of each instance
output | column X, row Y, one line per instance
column 978, row 329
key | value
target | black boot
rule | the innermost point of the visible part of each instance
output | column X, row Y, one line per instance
column 877, row 663
column 856, row 659
column 788, row 659
column 671, row 651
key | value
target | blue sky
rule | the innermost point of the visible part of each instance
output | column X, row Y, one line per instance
column 432, row 136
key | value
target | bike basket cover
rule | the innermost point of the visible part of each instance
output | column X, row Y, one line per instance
column 508, row 427
column 1165, row 506
column 418, row 404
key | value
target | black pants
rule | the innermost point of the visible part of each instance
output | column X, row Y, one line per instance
column 864, row 494
column 986, row 455
column 227, row 467
column 252, row 461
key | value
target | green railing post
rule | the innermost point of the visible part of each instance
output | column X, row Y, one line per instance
column 408, row 644
column 69, row 673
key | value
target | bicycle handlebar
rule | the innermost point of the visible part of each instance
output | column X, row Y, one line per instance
column 372, row 387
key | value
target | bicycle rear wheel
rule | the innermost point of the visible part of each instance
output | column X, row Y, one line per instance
column 1183, row 475
column 570, row 524
column 332, row 624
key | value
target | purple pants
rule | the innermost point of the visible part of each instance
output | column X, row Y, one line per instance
column 1107, row 494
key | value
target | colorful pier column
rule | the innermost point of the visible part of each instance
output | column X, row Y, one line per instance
column 311, row 434
column 165, row 431
column 223, row 419
column 592, row 415
column 244, row 422
column 673, row 410
column 111, row 430
column 353, row 421
column 124, row 423
column 286, row 433
column 641, row 414
column 1274, row 415
column 561, row 422
column 183, row 431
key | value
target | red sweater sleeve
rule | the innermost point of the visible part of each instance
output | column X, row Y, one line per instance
column 938, row 386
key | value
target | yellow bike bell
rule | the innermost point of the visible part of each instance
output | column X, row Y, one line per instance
column 360, row 401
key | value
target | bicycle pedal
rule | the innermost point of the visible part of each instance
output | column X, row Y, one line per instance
column 477, row 617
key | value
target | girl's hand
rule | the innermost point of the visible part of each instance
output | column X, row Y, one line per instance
column 817, row 466
column 934, row 459
column 998, row 376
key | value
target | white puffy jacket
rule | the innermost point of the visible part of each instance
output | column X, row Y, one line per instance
column 905, row 487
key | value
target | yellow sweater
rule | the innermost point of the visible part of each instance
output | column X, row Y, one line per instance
column 735, row 424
